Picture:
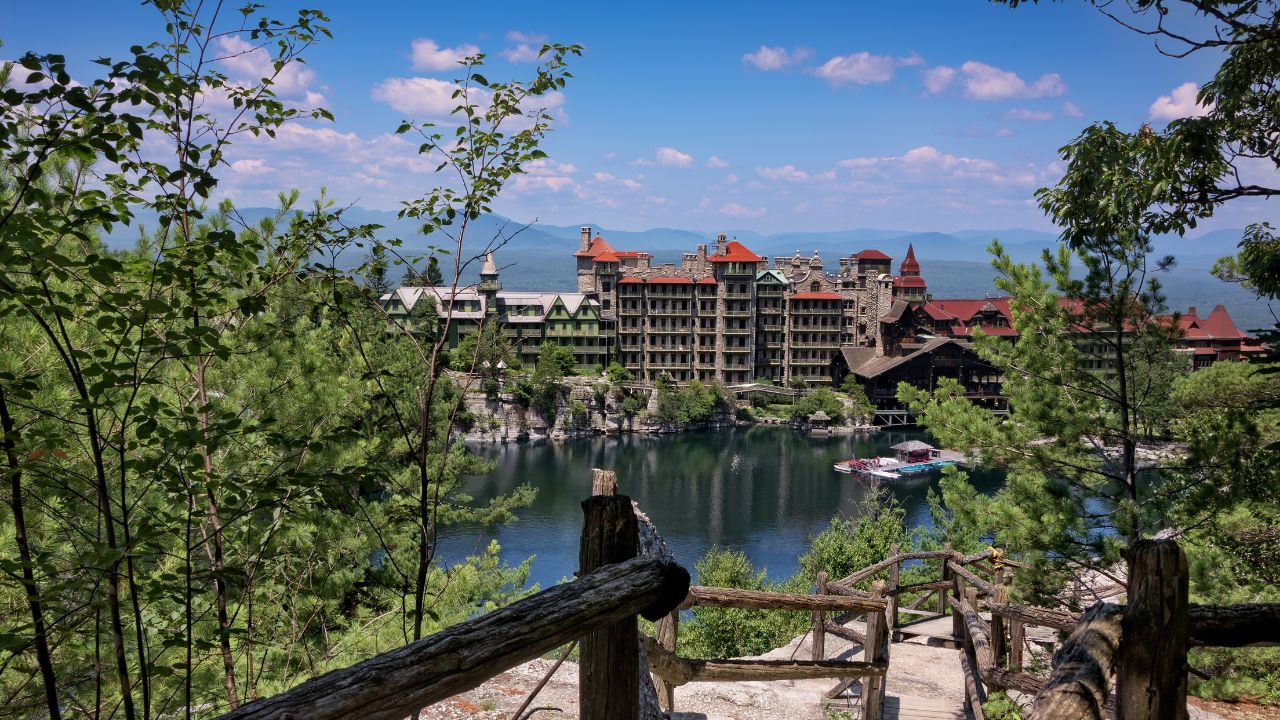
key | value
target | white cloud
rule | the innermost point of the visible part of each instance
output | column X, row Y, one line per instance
column 1030, row 115
column 524, row 37
column 427, row 55
column 251, row 166
column 787, row 173
column 734, row 209
column 656, row 200
column 1070, row 109
column 704, row 203
column 248, row 64
column 526, row 47
column 986, row 82
column 936, row 79
column 1004, row 132
column 716, row 162
column 642, row 162
column 421, row 97
column 1181, row 103
column 672, row 157
column 776, row 58
column 731, row 178
column 924, row 159
column 861, row 68
column 803, row 207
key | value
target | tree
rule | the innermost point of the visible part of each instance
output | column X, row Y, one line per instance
column 820, row 399
column 862, row 406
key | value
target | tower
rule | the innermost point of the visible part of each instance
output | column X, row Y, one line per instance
column 489, row 285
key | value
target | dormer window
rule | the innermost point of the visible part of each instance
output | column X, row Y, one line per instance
column 815, row 286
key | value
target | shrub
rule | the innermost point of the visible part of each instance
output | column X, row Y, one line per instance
column 618, row 374
column 820, row 399
column 728, row 632
column 851, row 544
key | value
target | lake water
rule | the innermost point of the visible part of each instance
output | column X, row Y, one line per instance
column 763, row 490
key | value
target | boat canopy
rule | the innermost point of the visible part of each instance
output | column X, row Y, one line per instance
column 911, row 446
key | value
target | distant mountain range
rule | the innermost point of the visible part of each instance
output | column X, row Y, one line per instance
column 956, row 264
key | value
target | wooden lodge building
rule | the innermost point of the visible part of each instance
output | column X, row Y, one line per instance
column 725, row 313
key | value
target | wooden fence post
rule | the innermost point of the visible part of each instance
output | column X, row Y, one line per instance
column 957, row 619
column 892, row 611
column 946, row 575
column 1151, row 675
column 819, row 631
column 609, row 671
column 604, row 482
column 873, row 687
column 667, row 631
column 998, row 643
column 1016, row 642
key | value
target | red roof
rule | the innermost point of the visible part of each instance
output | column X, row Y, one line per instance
column 707, row 281
column 631, row 253
column 998, row 331
column 871, row 255
column 1220, row 325
column 597, row 246
column 630, row 281
column 670, row 281
column 816, row 296
column 910, row 281
column 607, row 256
column 1204, row 351
column 736, row 252
column 909, row 265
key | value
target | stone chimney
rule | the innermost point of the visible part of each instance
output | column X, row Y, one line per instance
column 721, row 242
column 702, row 251
column 1191, row 311
column 586, row 238
column 779, row 261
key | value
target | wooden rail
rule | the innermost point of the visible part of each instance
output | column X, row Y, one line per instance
column 398, row 683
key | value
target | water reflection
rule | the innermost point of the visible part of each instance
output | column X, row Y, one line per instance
column 762, row 490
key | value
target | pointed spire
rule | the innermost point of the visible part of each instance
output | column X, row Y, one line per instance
column 909, row 265
column 490, row 267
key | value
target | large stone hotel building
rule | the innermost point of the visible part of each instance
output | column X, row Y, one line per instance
column 725, row 313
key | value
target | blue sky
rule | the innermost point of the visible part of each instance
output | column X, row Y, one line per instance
column 714, row 116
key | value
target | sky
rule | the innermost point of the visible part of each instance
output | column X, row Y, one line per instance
column 715, row 116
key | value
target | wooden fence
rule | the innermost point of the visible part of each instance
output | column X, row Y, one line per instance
column 626, row 571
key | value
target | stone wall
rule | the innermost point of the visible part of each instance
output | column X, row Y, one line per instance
column 504, row 419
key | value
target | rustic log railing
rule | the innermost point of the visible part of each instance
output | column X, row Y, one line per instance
column 624, row 573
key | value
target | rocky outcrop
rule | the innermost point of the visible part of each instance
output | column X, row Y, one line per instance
column 502, row 418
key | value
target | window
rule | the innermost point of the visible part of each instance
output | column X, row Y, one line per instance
column 815, row 286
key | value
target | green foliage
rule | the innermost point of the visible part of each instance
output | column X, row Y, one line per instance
column 633, row 405
column 485, row 352
column 862, row 406
column 693, row 403
column 851, row 544
column 999, row 706
column 228, row 472
column 618, row 374
column 819, row 399
column 728, row 632
column 554, row 362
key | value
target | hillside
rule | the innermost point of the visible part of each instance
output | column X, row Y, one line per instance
column 538, row 257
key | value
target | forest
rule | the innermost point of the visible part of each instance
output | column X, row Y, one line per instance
column 226, row 471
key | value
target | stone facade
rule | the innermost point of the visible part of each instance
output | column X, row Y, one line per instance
column 724, row 313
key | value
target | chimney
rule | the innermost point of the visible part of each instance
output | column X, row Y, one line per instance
column 721, row 241
column 586, row 238
column 702, row 251
column 1192, row 311
column 779, row 261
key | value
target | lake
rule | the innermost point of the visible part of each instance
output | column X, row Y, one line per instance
column 764, row 490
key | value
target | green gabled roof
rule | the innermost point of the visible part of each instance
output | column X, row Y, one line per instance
column 771, row 277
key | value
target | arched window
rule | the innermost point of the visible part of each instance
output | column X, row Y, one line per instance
column 815, row 286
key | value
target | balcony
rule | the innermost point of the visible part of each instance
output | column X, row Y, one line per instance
column 670, row 312
column 832, row 345
column 736, row 331
column 815, row 311
column 811, row 362
column 737, row 296
column 667, row 365
column 737, row 313
column 738, row 349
